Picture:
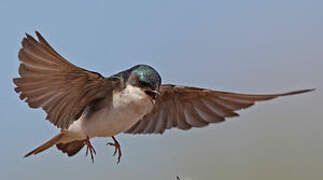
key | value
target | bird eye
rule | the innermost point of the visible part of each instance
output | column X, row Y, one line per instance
column 143, row 84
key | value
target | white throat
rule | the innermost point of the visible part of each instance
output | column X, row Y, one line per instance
column 130, row 96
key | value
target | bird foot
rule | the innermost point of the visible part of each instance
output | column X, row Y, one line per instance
column 89, row 148
column 116, row 148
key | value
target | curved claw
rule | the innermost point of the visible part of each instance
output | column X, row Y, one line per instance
column 116, row 148
column 90, row 148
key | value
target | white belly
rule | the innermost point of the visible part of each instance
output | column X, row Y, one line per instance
column 128, row 107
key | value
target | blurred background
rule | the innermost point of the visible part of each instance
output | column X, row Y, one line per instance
column 238, row 46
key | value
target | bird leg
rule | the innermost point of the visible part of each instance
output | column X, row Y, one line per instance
column 116, row 148
column 90, row 148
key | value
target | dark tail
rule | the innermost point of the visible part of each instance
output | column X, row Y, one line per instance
column 71, row 148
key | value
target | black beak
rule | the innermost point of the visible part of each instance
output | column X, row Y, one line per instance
column 153, row 94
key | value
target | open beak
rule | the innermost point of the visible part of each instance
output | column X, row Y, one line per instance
column 153, row 95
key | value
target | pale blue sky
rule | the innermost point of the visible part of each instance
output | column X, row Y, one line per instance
column 241, row 46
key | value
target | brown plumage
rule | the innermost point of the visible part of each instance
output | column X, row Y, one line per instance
column 51, row 82
column 186, row 107
column 70, row 148
column 65, row 92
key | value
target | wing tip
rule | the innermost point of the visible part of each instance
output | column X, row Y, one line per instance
column 39, row 36
column 299, row 92
column 37, row 33
column 28, row 154
column 16, row 81
column 29, row 37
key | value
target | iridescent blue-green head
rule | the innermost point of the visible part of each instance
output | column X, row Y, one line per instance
column 145, row 77
column 142, row 76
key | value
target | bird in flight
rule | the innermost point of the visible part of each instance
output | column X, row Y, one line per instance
column 84, row 104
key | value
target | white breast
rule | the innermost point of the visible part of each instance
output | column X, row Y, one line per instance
column 128, row 107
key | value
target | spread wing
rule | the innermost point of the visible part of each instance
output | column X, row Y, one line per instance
column 49, row 81
column 186, row 107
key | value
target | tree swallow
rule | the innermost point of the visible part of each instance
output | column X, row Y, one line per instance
column 84, row 104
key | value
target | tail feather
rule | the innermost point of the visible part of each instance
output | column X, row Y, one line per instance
column 46, row 145
column 71, row 148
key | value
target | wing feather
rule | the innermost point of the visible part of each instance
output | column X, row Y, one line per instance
column 186, row 107
column 49, row 81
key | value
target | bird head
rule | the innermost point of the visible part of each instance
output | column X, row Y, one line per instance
column 147, row 79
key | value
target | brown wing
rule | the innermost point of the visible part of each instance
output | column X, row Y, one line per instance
column 51, row 82
column 186, row 107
